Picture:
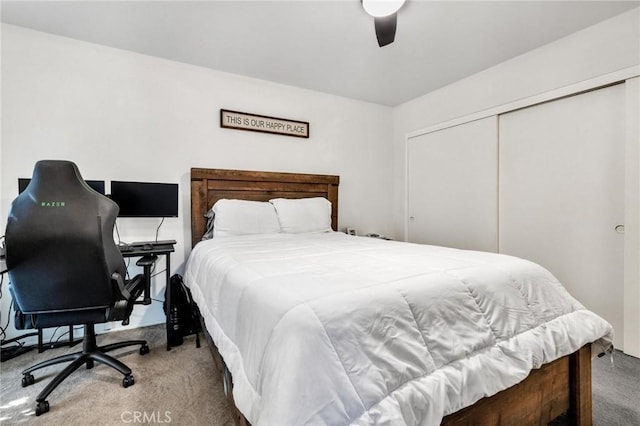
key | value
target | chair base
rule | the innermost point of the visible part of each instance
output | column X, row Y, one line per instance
column 90, row 354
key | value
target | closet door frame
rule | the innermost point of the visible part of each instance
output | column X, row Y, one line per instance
column 631, row 292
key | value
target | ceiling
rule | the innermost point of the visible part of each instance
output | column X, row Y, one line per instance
column 327, row 46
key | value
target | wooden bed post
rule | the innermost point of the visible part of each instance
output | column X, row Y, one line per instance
column 580, row 407
column 332, row 195
column 198, row 206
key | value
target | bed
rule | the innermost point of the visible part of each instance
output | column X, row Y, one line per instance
column 535, row 383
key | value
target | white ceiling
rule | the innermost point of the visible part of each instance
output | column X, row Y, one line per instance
column 328, row 46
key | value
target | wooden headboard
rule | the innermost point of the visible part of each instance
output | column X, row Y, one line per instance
column 211, row 185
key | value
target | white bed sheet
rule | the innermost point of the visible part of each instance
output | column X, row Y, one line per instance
column 334, row 329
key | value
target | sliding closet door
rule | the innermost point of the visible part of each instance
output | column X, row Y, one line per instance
column 452, row 186
column 561, row 196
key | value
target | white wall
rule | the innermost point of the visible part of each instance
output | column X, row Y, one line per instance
column 604, row 48
column 125, row 116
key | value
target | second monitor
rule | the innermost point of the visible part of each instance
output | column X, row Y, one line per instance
column 145, row 199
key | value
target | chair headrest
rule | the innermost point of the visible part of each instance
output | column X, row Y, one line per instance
column 56, row 175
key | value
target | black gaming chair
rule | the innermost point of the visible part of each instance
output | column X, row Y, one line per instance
column 65, row 268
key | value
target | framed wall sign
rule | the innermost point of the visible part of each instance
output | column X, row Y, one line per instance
column 262, row 123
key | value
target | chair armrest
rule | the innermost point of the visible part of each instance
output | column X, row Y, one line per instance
column 130, row 291
column 124, row 289
column 147, row 260
column 130, row 287
column 134, row 284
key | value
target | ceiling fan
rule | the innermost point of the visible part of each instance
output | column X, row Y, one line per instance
column 385, row 14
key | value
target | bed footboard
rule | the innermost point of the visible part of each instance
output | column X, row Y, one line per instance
column 561, row 386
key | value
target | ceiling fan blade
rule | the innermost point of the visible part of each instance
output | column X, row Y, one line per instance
column 386, row 29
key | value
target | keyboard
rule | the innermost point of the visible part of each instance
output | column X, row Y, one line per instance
column 137, row 244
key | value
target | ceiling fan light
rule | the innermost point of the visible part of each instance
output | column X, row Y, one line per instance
column 381, row 8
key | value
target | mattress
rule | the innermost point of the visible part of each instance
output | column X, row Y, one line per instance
column 333, row 329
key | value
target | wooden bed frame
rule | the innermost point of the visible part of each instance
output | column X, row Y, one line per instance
column 561, row 386
column 211, row 185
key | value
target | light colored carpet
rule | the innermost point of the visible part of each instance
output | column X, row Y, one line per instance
column 178, row 387
column 616, row 390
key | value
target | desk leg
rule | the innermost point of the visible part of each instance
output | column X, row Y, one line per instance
column 147, row 287
column 168, row 298
column 40, row 343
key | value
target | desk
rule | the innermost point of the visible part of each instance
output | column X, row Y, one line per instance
column 147, row 259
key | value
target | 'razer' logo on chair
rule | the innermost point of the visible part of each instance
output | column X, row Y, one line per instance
column 52, row 204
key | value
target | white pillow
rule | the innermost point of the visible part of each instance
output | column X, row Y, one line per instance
column 242, row 217
column 303, row 214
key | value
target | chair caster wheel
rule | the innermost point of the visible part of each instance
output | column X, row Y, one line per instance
column 128, row 381
column 144, row 349
column 42, row 407
column 28, row 380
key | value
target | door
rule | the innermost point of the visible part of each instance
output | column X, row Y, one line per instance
column 561, row 194
column 452, row 186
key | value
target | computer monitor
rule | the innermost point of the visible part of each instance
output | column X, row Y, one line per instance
column 145, row 199
column 97, row 185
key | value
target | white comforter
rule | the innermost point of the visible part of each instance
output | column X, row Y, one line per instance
column 333, row 329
